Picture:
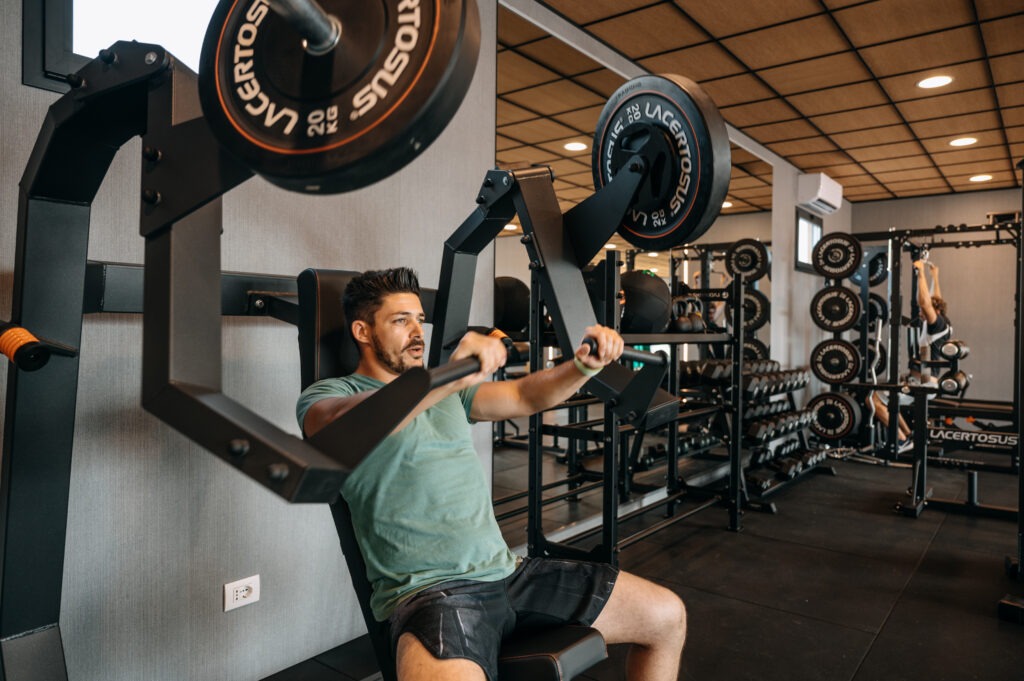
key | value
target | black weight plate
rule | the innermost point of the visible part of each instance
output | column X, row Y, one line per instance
column 748, row 257
column 757, row 310
column 836, row 415
column 836, row 255
column 881, row 362
column 878, row 308
column 878, row 270
column 835, row 308
column 835, row 361
column 346, row 119
column 754, row 349
column 677, row 130
column 511, row 305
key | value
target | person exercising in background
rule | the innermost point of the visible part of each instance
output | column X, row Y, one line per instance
column 937, row 329
column 443, row 576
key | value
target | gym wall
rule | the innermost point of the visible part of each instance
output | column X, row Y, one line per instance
column 978, row 283
column 157, row 524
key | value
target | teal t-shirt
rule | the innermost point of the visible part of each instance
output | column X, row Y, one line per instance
column 421, row 506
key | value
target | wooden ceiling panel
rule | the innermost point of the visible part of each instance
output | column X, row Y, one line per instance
column 587, row 11
column 887, row 20
column 738, row 184
column 871, row 138
column 729, row 17
column 944, row 106
column 501, row 143
column 956, row 125
column 514, row 30
column 759, row 113
column 992, row 168
column 776, row 132
column 738, row 89
column 1013, row 116
column 581, row 179
column 1002, row 36
column 836, row 171
column 555, row 98
column 584, row 119
column 885, row 151
column 538, row 130
column 821, row 159
column 1007, row 68
column 934, row 185
column 516, row 72
column 566, row 166
column 858, row 181
column 635, row 36
column 1017, row 150
column 804, row 39
column 816, row 74
column 559, row 57
column 1015, row 134
column 507, row 112
column 913, row 54
column 524, row 155
column 868, row 194
column 969, row 76
column 558, row 147
column 930, row 173
column 740, row 155
column 760, row 169
column 970, row 155
column 1000, row 178
column 602, row 81
column 576, row 194
column 860, row 119
column 989, row 9
column 910, row 162
column 699, row 63
column 808, row 145
column 1011, row 95
column 856, row 96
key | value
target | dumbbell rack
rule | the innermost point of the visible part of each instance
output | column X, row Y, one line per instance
column 620, row 441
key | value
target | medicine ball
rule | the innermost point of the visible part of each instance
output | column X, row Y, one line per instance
column 511, row 306
column 647, row 306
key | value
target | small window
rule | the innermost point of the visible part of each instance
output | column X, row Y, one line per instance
column 808, row 232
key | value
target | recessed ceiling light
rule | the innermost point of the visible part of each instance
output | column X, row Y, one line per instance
column 652, row 254
column 963, row 142
column 726, row 204
column 575, row 146
column 981, row 178
column 510, row 227
column 609, row 245
column 652, row 269
column 934, row 81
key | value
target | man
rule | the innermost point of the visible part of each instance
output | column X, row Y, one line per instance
column 442, row 574
column 937, row 330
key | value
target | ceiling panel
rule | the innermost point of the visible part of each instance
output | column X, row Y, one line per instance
column 884, row 21
column 948, row 105
column 759, row 113
column 1004, row 36
column 816, row 74
column 729, row 17
column 559, row 57
column 858, row 119
column 805, row 39
column 927, row 51
column 632, row 31
column 698, row 63
column 969, row 76
column 884, row 151
column 841, row 98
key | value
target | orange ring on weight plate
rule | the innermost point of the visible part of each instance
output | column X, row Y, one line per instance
column 15, row 338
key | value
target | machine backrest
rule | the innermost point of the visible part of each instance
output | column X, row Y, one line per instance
column 327, row 349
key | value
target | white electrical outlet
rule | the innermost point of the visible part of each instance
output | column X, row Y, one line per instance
column 241, row 592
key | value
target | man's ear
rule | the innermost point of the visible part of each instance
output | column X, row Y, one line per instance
column 361, row 331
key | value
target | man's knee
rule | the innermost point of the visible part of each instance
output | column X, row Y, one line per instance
column 416, row 663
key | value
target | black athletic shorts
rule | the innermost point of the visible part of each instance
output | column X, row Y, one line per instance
column 468, row 619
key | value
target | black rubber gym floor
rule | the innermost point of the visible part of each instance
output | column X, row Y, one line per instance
column 833, row 587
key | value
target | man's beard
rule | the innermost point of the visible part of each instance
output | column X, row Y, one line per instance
column 396, row 365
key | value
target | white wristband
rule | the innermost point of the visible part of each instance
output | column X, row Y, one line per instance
column 589, row 372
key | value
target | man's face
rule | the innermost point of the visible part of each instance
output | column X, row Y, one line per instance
column 396, row 336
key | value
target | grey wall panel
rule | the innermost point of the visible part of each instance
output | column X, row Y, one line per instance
column 157, row 525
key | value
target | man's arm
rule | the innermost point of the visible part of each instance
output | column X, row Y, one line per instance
column 545, row 389
column 924, row 298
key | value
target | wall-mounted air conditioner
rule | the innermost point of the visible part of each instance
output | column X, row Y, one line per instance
column 819, row 193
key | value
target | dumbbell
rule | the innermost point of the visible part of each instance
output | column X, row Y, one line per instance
column 787, row 467
column 954, row 349
column 953, row 382
column 760, row 431
column 759, row 481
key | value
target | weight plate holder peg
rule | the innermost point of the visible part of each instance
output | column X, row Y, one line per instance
column 878, row 270
column 757, row 309
column 749, row 257
column 835, row 308
column 678, row 132
column 836, row 415
column 835, row 361
column 836, row 255
column 345, row 119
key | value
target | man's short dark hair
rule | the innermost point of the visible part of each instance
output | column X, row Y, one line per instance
column 365, row 293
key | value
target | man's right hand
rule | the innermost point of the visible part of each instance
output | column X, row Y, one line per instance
column 489, row 350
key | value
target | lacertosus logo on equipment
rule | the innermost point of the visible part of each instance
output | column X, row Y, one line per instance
column 407, row 36
column 257, row 104
column 973, row 437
